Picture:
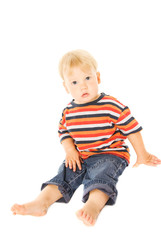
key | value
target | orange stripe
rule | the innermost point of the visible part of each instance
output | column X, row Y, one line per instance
column 124, row 114
column 93, row 145
column 81, row 135
column 130, row 126
column 124, row 155
column 97, row 132
column 114, row 99
column 84, row 121
column 89, row 109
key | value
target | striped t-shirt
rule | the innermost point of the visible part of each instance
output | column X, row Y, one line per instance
column 98, row 127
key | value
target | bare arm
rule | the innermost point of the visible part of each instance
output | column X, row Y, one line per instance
column 72, row 155
column 68, row 144
column 143, row 157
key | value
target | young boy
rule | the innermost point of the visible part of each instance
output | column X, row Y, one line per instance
column 92, row 131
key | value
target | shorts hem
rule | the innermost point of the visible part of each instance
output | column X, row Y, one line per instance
column 107, row 188
column 63, row 187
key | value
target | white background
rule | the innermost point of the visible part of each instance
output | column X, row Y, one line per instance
column 125, row 38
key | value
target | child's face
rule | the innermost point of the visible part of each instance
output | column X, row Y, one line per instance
column 82, row 85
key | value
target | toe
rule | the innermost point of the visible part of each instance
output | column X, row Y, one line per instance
column 89, row 221
column 13, row 208
column 79, row 213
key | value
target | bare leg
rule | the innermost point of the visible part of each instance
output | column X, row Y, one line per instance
column 40, row 205
column 92, row 208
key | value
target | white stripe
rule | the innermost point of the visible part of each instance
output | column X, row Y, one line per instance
column 105, row 150
column 112, row 149
column 64, row 135
column 63, row 131
column 93, row 112
column 111, row 101
column 133, row 129
column 92, row 138
column 107, row 144
column 89, row 126
column 125, row 119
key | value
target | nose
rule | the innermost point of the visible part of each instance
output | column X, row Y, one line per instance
column 83, row 85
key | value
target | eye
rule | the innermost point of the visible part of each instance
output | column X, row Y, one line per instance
column 88, row 78
column 74, row 82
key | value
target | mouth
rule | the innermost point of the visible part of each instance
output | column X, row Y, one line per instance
column 84, row 95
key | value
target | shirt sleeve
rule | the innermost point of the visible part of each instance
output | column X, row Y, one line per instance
column 63, row 132
column 126, row 123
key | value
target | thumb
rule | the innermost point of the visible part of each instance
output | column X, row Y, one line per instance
column 136, row 165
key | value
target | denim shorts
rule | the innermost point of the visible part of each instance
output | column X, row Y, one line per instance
column 98, row 172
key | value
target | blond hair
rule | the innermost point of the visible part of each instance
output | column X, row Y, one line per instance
column 76, row 58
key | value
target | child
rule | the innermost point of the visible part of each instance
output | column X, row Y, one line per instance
column 92, row 131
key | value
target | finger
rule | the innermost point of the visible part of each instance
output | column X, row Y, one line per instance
column 70, row 164
column 74, row 166
column 154, row 157
column 156, row 160
column 79, row 165
column 151, row 164
column 136, row 165
column 66, row 163
column 81, row 160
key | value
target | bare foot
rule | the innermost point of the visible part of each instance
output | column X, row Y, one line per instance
column 92, row 208
column 88, row 214
column 32, row 208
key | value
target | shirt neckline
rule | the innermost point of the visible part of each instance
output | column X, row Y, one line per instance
column 89, row 103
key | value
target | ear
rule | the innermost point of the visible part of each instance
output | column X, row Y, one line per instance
column 65, row 87
column 98, row 77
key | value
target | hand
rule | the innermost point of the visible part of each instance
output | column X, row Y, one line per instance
column 147, row 159
column 73, row 160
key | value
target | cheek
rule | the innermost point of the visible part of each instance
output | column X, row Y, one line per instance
column 93, row 85
column 74, row 91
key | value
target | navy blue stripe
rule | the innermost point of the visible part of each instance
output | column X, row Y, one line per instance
column 138, row 130
column 100, row 104
column 63, row 131
column 127, row 122
column 92, row 141
column 90, row 129
column 65, row 137
column 113, row 150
